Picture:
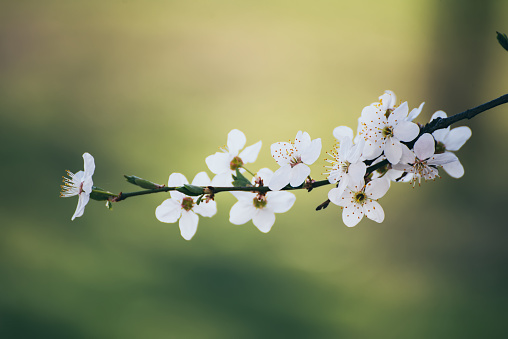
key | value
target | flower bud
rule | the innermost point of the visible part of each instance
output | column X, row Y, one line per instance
column 503, row 40
column 143, row 183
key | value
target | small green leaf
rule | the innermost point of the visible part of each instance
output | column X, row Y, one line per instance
column 239, row 180
column 101, row 194
column 142, row 182
column 199, row 199
column 503, row 40
column 190, row 190
column 109, row 205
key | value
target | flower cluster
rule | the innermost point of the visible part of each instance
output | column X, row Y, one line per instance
column 388, row 147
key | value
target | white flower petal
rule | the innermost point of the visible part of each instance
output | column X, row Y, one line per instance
column 408, row 157
column 406, row 131
column 352, row 214
column 454, row 169
column 415, row 112
column 342, row 132
column 398, row 114
column 370, row 113
column 188, row 224
column 298, row 174
column 393, row 150
column 280, row 178
column 219, row 162
column 356, row 151
column 438, row 114
column 374, row 211
column 280, row 202
column 246, row 196
column 372, row 150
column 357, row 171
column 201, row 179
column 80, row 208
column 377, row 188
column 338, row 197
column 169, row 211
column 206, row 209
column 302, row 141
column 236, row 141
column 440, row 134
column 424, row 147
column 346, row 144
column 250, row 153
column 222, row 180
column 264, row 220
column 457, row 137
column 89, row 164
column 265, row 174
column 443, row 158
column 312, row 152
column 241, row 212
column 176, row 180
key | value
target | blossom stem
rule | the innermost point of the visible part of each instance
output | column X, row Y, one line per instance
column 248, row 171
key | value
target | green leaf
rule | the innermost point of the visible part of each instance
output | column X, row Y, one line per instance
column 199, row 199
column 239, row 180
column 142, row 182
column 190, row 190
column 101, row 194
column 503, row 40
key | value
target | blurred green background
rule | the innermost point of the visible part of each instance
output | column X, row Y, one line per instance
column 153, row 87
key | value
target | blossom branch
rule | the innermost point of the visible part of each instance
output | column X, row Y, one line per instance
column 389, row 147
column 440, row 123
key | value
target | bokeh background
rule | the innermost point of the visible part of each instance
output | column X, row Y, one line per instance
column 153, row 87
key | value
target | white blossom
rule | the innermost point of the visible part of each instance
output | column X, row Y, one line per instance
column 223, row 164
column 347, row 166
column 183, row 207
column 260, row 207
column 451, row 140
column 384, row 126
column 80, row 184
column 293, row 157
column 423, row 162
column 359, row 199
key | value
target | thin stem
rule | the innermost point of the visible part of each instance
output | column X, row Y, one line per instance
column 245, row 168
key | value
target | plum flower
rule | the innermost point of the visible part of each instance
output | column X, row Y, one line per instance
column 384, row 128
column 183, row 207
column 359, row 200
column 451, row 140
column 422, row 163
column 260, row 207
column 346, row 163
column 224, row 164
column 80, row 184
column 293, row 157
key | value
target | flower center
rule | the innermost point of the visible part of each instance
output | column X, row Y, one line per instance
column 440, row 147
column 387, row 113
column 295, row 161
column 235, row 163
column 387, row 131
column 187, row 203
column 259, row 201
column 360, row 197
